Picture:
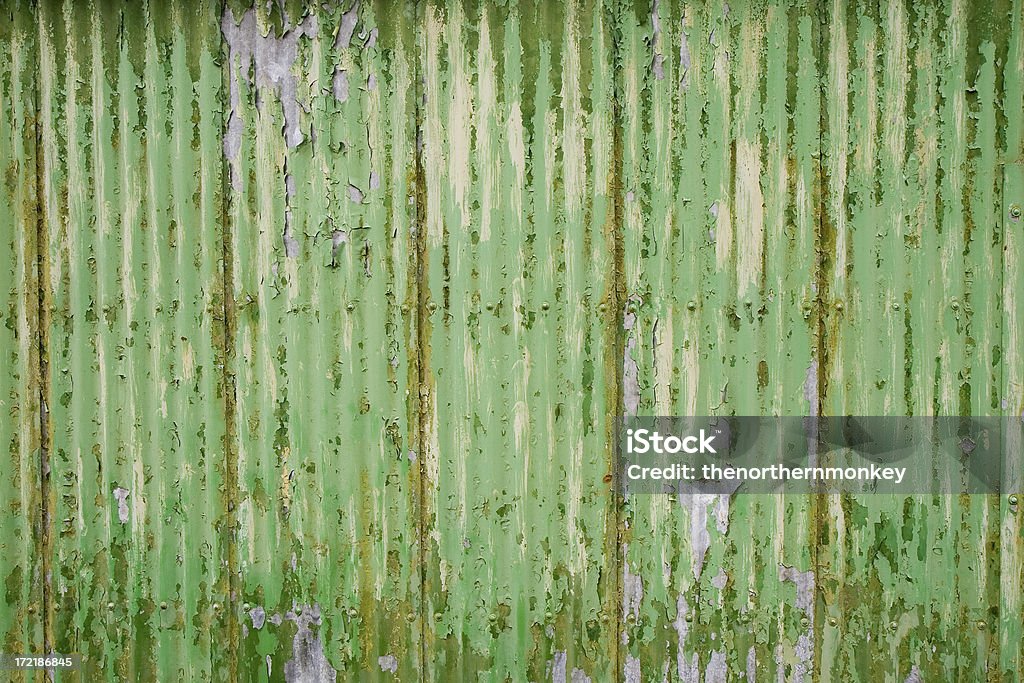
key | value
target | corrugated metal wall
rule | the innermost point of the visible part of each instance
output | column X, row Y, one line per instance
column 318, row 314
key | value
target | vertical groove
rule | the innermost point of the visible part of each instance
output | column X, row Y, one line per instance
column 421, row 337
column 818, row 506
column 44, row 541
column 618, row 294
column 229, row 535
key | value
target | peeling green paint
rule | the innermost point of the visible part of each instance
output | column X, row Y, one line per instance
column 319, row 313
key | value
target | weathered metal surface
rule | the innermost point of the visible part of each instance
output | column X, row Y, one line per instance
column 22, row 511
column 720, row 110
column 130, row 192
column 321, row 209
column 329, row 306
column 912, row 240
column 518, row 341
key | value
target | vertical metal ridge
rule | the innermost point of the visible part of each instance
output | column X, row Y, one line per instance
column 229, row 522
column 43, row 325
column 422, row 337
column 614, row 367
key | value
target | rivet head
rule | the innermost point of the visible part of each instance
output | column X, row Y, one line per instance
column 549, row 616
column 110, row 605
column 438, row 616
column 163, row 605
column 350, row 307
column 832, row 621
column 246, row 607
column 602, row 308
column 1014, row 500
column 839, row 305
column 545, row 306
column 982, row 625
column 489, row 307
column 895, row 306
column 689, row 616
column 691, row 305
column 893, row 625
column 1015, row 212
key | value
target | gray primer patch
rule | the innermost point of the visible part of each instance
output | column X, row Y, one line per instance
column 579, row 676
column 271, row 59
column 632, row 591
column 751, row 664
column 914, row 676
column 347, row 26
column 355, row 194
column 657, row 66
column 308, row 663
column 388, row 663
column 684, row 56
column 122, row 503
column 371, row 39
column 631, row 670
column 811, row 387
column 804, row 649
column 556, row 667
column 804, row 582
column 339, row 84
column 697, row 505
column 259, row 617
column 717, row 670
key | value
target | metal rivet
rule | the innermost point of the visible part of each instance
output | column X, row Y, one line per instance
column 982, row 625
column 689, row 616
column 432, row 306
column 110, row 605
column 1013, row 500
column 691, row 305
column 438, row 616
column 832, row 621
column 895, row 306
column 549, row 616
column 545, row 306
column 893, row 625
column 839, row 305
column 350, row 307
column 1015, row 212
column 489, row 307
column 246, row 607
column 163, row 605
column 602, row 308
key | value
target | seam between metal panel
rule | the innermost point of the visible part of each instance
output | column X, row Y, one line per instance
column 229, row 535
column 420, row 337
column 44, row 535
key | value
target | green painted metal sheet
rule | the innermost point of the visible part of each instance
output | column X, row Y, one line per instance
column 130, row 187
column 319, row 315
column 23, row 512
column 518, row 341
